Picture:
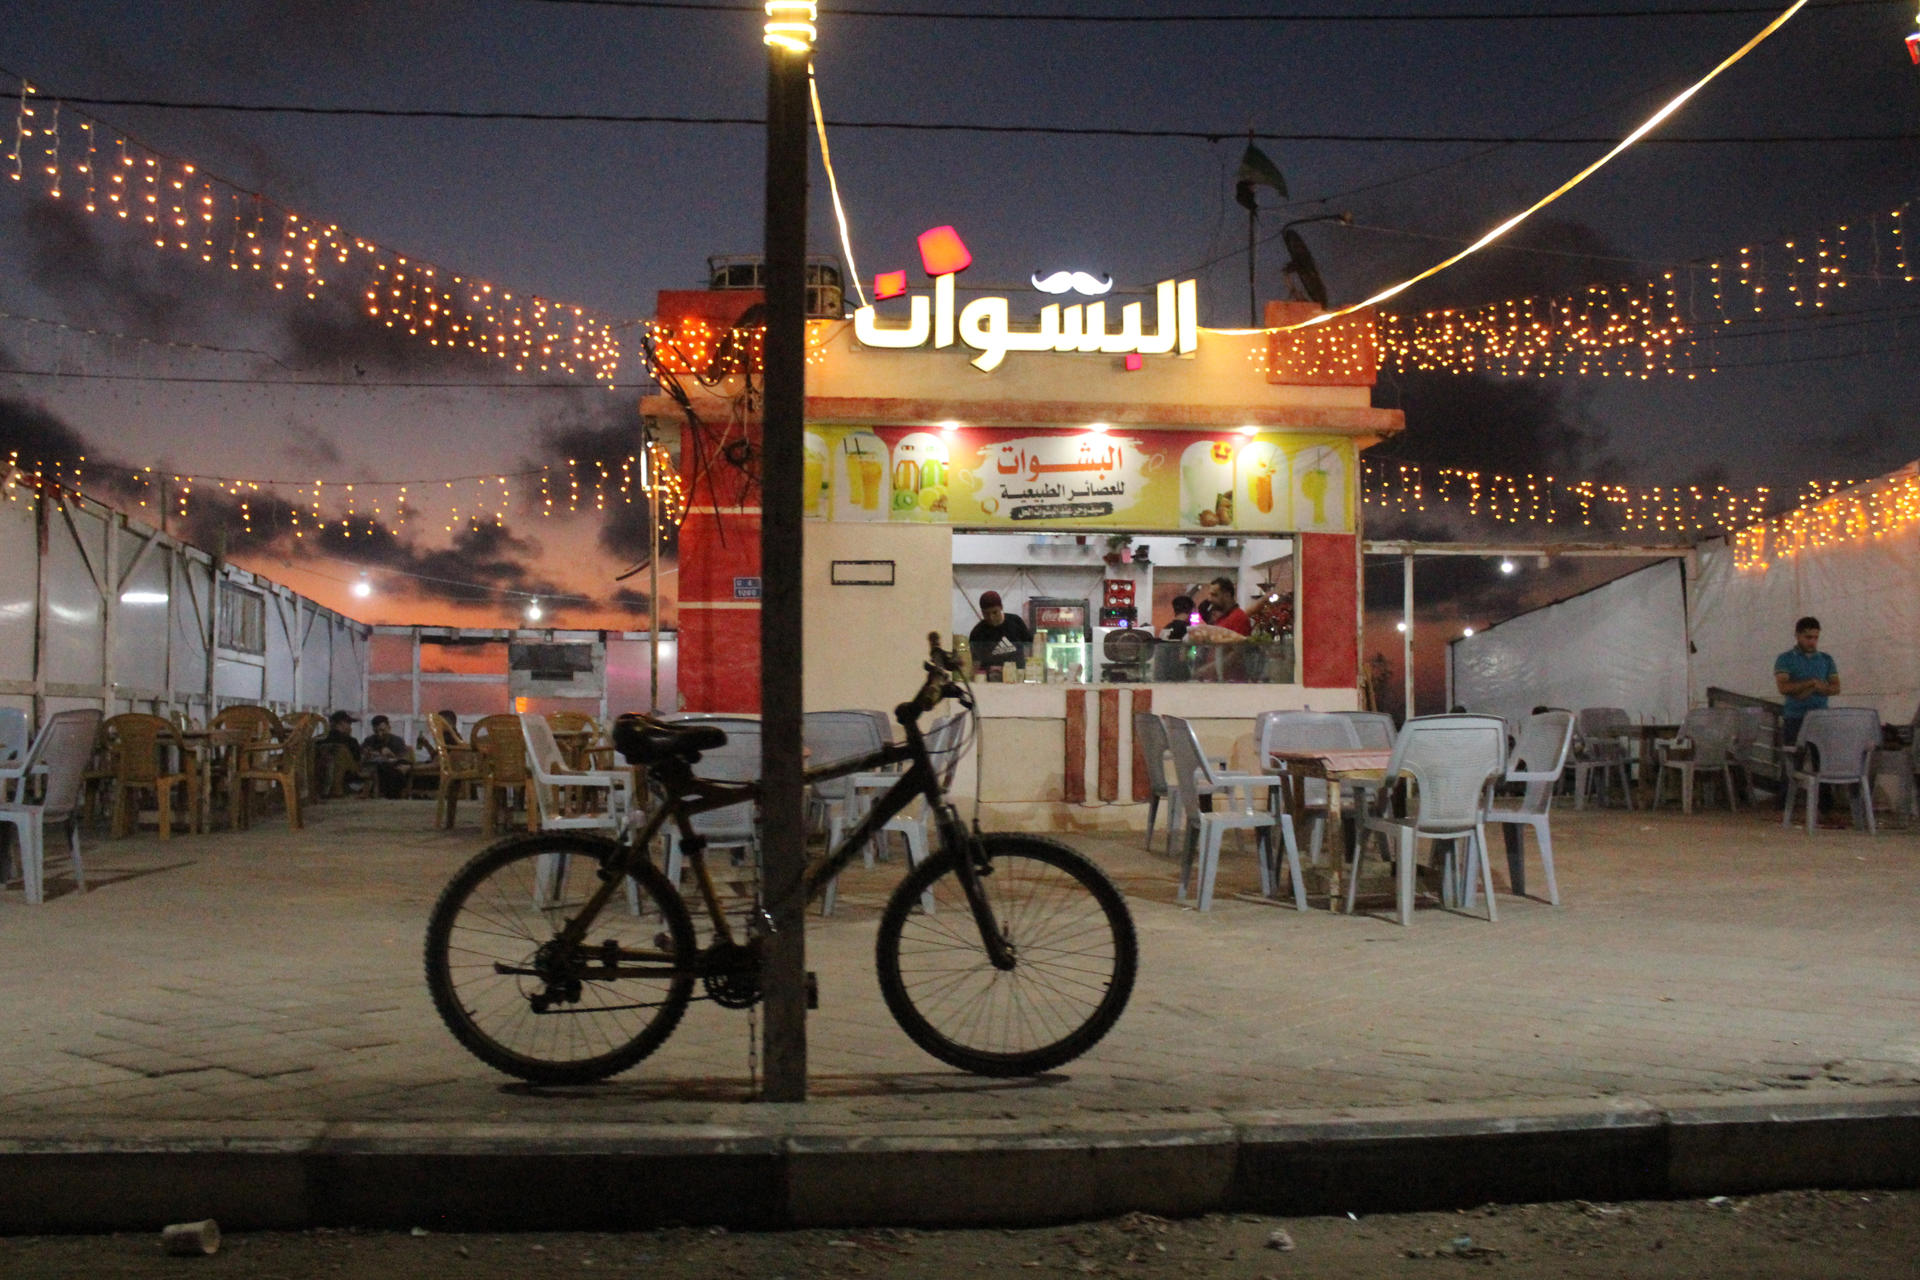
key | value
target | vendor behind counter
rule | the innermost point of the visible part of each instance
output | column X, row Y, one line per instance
column 997, row 638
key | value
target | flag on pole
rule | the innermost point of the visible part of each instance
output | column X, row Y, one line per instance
column 1256, row 170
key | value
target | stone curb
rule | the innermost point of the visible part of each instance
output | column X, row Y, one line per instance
column 786, row 1173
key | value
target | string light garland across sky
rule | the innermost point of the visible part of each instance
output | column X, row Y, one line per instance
column 82, row 162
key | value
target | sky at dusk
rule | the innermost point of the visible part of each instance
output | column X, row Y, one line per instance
column 193, row 369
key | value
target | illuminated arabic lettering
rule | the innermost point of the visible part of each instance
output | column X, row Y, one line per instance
column 866, row 326
column 985, row 325
column 943, row 311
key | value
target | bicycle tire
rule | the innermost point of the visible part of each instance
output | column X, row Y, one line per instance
column 1075, row 948
column 493, row 912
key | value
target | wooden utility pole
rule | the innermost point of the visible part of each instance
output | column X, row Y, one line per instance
column 783, row 830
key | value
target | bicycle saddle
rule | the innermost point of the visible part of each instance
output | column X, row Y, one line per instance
column 649, row 742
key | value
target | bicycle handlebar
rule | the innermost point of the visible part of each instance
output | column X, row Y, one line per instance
column 939, row 685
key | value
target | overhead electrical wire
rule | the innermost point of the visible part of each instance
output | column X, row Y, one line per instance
column 952, row 126
column 1652, row 122
column 1499, row 15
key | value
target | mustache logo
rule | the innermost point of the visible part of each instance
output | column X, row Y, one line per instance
column 1079, row 281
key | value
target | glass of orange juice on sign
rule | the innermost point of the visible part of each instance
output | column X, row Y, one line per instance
column 856, row 487
column 870, row 469
column 810, row 482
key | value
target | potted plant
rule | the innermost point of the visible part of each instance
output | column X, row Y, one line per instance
column 1117, row 544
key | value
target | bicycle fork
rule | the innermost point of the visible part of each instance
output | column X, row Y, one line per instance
column 973, row 867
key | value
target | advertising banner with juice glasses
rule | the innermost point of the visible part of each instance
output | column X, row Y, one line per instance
column 1174, row 481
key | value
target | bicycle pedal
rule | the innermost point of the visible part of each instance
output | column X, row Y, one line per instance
column 813, row 990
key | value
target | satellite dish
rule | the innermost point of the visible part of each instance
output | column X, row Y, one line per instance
column 1300, row 267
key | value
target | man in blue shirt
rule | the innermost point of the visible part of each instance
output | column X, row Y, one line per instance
column 1805, row 677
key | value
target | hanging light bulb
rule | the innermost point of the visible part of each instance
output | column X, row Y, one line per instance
column 363, row 588
column 533, row 611
column 1507, row 566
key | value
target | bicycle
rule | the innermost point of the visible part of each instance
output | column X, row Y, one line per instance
column 1000, row 954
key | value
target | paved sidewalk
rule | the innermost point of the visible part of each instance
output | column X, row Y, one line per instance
column 270, row 981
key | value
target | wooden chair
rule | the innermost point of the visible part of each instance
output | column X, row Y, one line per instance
column 238, row 726
column 136, row 741
column 285, row 764
column 460, row 765
column 503, row 766
column 576, row 732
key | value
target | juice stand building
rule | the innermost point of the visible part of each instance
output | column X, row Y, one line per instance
column 1107, row 452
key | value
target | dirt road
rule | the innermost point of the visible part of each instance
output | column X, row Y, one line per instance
column 1819, row 1235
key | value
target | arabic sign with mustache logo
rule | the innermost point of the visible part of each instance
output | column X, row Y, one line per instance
column 1177, row 481
column 986, row 324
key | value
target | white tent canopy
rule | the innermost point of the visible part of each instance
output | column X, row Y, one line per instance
column 1654, row 641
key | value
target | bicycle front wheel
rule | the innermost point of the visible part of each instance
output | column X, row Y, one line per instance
column 1074, row 958
column 522, row 1001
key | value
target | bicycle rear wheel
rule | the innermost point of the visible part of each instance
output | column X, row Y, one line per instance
column 1075, row 956
column 522, row 1002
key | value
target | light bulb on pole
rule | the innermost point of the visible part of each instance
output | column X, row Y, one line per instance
column 790, row 25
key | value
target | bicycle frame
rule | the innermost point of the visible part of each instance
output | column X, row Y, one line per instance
column 688, row 795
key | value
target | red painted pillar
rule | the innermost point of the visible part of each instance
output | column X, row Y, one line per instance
column 720, row 535
column 1329, row 611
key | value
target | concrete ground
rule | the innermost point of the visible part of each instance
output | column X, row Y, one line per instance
column 266, row 986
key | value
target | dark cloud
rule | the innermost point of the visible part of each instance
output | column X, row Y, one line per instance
column 313, row 450
column 121, row 283
column 41, row 439
column 598, row 435
column 333, row 331
column 638, row 603
column 115, row 281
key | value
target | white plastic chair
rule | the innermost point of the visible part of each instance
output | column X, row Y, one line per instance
column 1150, row 738
column 548, row 769
column 63, row 748
column 1538, row 758
column 1705, row 744
column 1898, row 763
column 1600, row 747
column 1452, row 762
column 738, row 760
column 1307, row 731
column 1374, row 728
column 1196, row 776
column 15, row 737
column 550, row 776
column 1835, row 749
column 830, row 737
column 912, row 823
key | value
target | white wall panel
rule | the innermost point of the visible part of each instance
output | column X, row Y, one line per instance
column 19, row 569
column 75, row 619
column 1620, row 645
column 140, row 628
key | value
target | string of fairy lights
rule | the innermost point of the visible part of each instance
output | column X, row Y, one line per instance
column 1865, row 514
column 75, row 159
column 1675, row 325
column 370, row 508
column 1546, row 501
column 1681, row 324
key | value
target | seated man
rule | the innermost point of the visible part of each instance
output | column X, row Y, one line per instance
column 387, row 754
column 337, row 755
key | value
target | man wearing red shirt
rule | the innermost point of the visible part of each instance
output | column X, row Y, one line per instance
column 1227, row 611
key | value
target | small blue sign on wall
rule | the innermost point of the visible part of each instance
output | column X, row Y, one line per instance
column 746, row 588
